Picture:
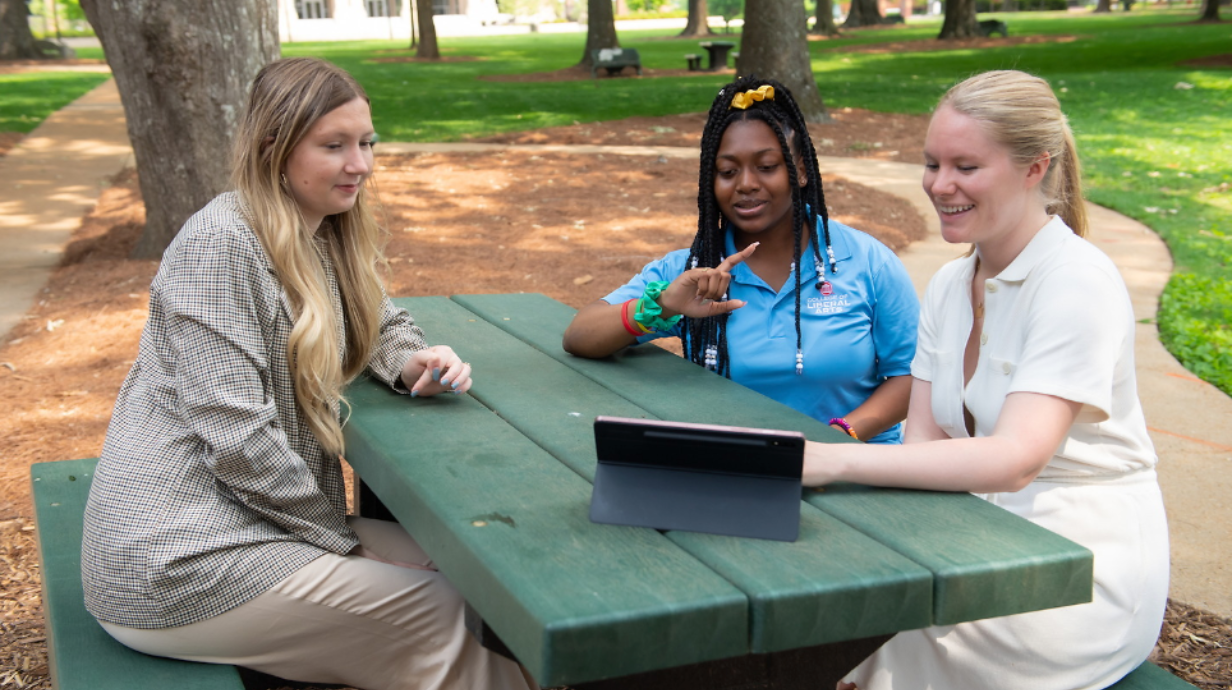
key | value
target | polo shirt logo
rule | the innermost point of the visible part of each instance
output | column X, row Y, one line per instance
column 832, row 304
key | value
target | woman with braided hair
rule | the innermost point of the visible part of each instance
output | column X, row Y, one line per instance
column 834, row 339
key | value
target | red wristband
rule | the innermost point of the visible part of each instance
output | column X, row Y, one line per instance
column 624, row 319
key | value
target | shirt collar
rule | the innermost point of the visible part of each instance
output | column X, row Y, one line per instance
column 1049, row 238
column 838, row 242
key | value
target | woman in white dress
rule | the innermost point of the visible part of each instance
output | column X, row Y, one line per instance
column 1024, row 393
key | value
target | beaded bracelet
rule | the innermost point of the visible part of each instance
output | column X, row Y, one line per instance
column 649, row 313
column 842, row 424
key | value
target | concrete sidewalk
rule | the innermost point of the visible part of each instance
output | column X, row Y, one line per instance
column 50, row 179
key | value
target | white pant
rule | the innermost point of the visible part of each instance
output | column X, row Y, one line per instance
column 347, row 620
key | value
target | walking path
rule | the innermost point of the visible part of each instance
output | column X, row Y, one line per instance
column 54, row 175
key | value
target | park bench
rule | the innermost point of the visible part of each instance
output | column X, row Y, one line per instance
column 614, row 60
column 989, row 27
column 695, row 61
column 80, row 654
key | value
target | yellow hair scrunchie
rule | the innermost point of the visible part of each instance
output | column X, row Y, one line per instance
column 744, row 100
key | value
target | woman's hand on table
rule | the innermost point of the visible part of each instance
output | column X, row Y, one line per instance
column 698, row 292
column 434, row 370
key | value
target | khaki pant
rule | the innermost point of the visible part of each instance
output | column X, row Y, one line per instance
column 347, row 620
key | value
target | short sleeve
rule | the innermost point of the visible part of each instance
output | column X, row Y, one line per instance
column 1078, row 323
column 923, row 366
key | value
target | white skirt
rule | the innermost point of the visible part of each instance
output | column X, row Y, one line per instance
column 1082, row 647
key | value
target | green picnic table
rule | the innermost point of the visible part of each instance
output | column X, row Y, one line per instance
column 496, row 487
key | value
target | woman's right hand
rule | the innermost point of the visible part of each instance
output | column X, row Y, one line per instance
column 598, row 331
column 698, row 292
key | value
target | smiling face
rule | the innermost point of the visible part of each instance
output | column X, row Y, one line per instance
column 981, row 194
column 327, row 168
column 751, row 182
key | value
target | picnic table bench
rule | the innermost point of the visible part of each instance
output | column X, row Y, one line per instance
column 614, row 60
column 717, row 50
column 496, row 485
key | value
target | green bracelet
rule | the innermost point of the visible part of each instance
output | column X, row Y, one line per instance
column 649, row 312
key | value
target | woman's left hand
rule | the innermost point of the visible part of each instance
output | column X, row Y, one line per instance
column 434, row 370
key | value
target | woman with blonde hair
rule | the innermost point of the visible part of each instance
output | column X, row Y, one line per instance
column 216, row 528
column 1024, row 393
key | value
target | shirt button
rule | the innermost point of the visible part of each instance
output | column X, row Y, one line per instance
column 991, row 287
column 1005, row 367
column 983, row 339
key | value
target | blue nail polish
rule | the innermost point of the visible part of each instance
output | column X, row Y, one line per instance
column 445, row 381
column 436, row 374
column 455, row 384
column 414, row 394
column 457, row 392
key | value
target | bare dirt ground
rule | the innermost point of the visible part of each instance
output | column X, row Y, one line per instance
column 570, row 226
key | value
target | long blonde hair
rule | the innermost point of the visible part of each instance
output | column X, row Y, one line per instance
column 287, row 98
column 1022, row 113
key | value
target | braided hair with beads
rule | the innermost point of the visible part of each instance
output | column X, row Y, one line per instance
column 705, row 340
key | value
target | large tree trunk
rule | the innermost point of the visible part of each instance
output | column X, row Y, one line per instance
column 183, row 68
column 16, row 41
column 864, row 13
column 427, row 47
column 1103, row 6
column 600, row 29
column 960, row 20
column 823, row 19
column 698, row 24
column 775, row 46
column 1210, row 11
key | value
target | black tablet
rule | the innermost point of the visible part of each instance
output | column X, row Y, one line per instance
column 726, row 480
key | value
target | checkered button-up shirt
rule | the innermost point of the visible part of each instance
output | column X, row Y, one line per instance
column 211, row 488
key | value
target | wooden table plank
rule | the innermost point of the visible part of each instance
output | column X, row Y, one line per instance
column 945, row 532
column 1035, row 568
column 501, row 517
column 832, row 584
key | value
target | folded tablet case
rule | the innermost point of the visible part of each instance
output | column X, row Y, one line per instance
column 698, row 477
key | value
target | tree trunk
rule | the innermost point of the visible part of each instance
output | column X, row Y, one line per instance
column 414, row 28
column 183, row 69
column 698, row 24
column 824, row 19
column 775, row 46
column 600, row 29
column 864, row 13
column 16, row 41
column 1104, row 6
column 1210, row 12
column 427, row 47
column 960, row 20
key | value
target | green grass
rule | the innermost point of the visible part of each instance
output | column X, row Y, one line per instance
column 27, row 99
column 1150, row 150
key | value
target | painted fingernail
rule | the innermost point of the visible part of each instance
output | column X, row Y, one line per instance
column 445, row 381
column 436, row 374
column 455, row 384
column 457, row 392
column 414, row 394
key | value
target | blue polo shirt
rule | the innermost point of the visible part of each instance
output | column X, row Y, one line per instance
column 853, row 339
